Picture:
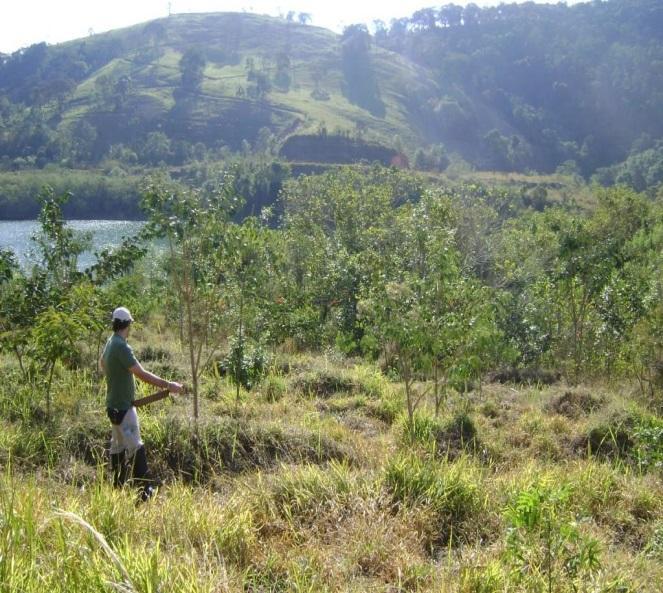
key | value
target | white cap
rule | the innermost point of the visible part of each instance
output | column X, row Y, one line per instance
column 122, row 314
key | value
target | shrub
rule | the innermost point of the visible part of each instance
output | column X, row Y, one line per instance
column 544, row 545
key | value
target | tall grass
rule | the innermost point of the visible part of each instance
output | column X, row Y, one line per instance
column 333, row 493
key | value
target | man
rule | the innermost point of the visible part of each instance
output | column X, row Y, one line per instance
column 120, row 366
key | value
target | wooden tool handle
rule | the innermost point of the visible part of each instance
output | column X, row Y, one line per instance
column 148, row 399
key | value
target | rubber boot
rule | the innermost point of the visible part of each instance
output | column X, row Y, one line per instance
column 139, row 475
column 118, row 469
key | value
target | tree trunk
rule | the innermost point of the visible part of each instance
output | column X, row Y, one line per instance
column 48, row 391
column 188, row 288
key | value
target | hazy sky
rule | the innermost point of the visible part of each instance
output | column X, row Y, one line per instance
column 23, row 22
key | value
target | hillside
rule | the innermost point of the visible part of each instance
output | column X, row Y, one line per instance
column 211, row 78
column 575, row 90
column 398, row 389
column 536, row 86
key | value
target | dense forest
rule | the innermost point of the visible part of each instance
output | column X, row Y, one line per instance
column 523, row 87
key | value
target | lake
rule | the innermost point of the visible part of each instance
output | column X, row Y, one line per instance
column 16, row 235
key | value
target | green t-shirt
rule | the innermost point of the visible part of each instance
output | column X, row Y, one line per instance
column 120, row 385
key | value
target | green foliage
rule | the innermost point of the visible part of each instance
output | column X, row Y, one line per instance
column 245, row 367
column 545, row 547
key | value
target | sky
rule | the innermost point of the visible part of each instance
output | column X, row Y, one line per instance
column 24, row 22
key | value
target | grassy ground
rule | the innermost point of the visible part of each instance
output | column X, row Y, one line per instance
column 316, row 482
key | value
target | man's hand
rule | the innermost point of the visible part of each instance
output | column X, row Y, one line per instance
column 175, row 387
column 155, row 380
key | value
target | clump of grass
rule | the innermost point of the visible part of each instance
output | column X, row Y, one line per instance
column 483, row 579
column 654, row 547
column 452, row 492
column 151, row 353
column 526, row 376
column 342, row 404
column 450, row 437
column 388, row 408
column 273, row 388
column 573, row 404
column 324, row 383
column 302, row 572
column 235, row 445
column 610, row 440
column 303, row 493
column 370, row 381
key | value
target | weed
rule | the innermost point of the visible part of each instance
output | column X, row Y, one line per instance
column 545, row 548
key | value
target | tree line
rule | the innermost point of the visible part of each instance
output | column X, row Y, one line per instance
column 442, row 286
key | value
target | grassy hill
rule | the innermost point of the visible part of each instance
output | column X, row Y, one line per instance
column 571, row 90
column 222, row 109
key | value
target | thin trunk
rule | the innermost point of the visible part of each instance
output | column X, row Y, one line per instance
column 192, row 354
column 19, row 357
column 48, row 391
column 436, row 389
column 241, row 350
column 178, row 286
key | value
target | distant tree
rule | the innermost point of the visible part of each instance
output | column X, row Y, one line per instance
column 282, row 76
column 192, row 66
column 424, row 19
column 121, row 91
column 157, row 148
column 85, row 138
column 259, row 85
column 360, row 85
column 451, row 15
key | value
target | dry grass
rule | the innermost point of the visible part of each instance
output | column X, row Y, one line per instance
column 325, row 493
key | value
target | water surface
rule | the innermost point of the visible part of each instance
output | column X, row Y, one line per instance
column 17, row 236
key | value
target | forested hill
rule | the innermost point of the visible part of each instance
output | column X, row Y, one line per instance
column 535, row 85
column 520, row 87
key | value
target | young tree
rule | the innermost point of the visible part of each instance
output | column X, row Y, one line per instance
column 194, row 224
column 245, row 280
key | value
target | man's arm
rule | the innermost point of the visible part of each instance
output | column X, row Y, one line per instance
column 155, row 380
